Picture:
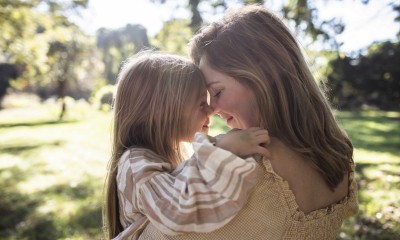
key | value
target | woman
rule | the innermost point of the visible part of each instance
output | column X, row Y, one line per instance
column 257, row 76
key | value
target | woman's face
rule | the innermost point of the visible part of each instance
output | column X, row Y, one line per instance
column 230, row 99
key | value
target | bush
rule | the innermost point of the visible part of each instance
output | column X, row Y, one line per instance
column 103, row 98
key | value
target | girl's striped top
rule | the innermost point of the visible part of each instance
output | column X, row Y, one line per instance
column 202, row 194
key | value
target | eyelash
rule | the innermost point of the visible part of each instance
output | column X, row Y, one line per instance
column 217, row 94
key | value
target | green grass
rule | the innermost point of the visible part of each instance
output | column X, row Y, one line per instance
column 52, row 173
column 376, row 138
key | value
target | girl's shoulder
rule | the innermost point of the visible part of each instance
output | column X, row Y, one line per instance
column 137, row 153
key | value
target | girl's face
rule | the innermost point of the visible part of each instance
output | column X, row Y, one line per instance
column 230, row 99
column 198, row 115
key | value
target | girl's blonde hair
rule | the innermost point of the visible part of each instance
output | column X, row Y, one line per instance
column 253, row 46
column 150, row 111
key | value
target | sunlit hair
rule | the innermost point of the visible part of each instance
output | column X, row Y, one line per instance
column 253, row 46
column 151, row 110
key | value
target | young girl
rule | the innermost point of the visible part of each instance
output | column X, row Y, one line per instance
column 161, row 101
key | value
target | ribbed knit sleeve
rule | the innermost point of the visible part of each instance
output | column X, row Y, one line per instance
column 201, row 195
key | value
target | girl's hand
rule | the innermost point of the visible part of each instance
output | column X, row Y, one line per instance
column 246, row 142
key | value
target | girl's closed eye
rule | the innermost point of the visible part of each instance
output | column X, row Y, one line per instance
column 203, row 101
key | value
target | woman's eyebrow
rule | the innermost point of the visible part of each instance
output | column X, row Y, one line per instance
column 212, row 83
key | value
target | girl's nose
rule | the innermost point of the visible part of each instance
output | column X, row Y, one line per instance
column 209, row 110
column 214, row 106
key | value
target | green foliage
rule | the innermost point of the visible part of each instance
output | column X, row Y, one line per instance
column 304, row 15
column 174, row 37
column 118, row 45
column 38, row 35
column 103, row 98
column 371, row 79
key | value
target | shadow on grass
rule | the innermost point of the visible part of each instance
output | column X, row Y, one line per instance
column 382, row 222
column 373, row 131
column 88, row 219
column 20, row 218
column 367, row 228
column 14, row 206
column 36, row 124
column 18, row 149
column 18, row 211
column 81, row 191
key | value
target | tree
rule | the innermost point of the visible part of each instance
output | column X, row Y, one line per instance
column 372, row 79
column 196, row 20
column 45, row 41
column 396, row 7
column 174, row 36
column 117, row 45
column 67, row 54
column 302, row 13
column 7, row 72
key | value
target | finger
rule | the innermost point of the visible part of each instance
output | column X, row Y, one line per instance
column 259, row 135
column 263, row 151
column 265, row 139
column 234, row 130
column 261, row 131
column 253, row 129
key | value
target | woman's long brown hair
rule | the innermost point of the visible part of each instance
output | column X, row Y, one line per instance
column 253, row 46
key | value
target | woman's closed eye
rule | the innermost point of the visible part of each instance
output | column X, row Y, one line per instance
column 217, row 94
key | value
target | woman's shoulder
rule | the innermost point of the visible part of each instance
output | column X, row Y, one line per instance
column 304, row 181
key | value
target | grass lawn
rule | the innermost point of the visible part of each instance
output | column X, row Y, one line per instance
column 376, row 138
column 52, row 173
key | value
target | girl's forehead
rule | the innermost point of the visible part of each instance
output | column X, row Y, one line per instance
column 204, row 96
column 199, row 95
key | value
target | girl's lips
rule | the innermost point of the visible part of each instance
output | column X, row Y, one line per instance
column 205, row 129
column 205, row 125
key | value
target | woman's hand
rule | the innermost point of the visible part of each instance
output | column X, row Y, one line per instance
column 246, row 142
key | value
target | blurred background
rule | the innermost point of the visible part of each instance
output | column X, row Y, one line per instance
column 58, row 65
